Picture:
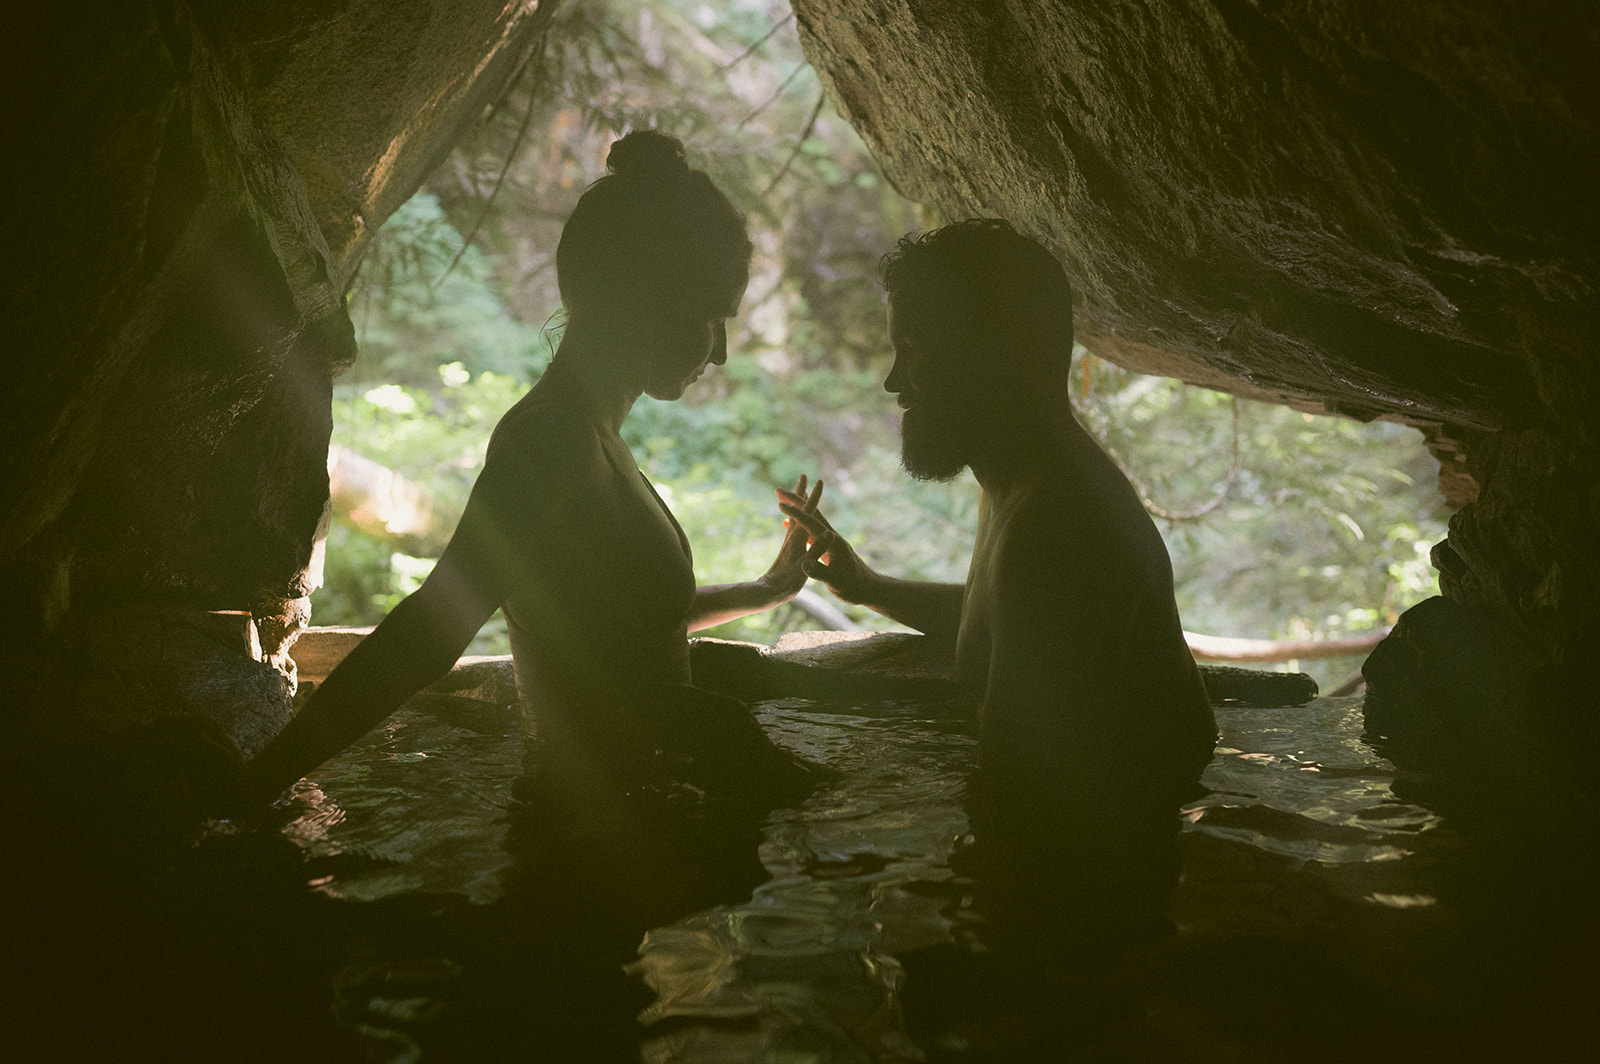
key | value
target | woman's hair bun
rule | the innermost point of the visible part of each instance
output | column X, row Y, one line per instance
column 646, row 153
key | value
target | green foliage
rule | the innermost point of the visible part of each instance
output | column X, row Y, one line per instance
column 358, row 585
column 414, row 313
column 1323, row 533
column 436, row 438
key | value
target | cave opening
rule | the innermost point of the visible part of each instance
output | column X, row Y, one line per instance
column 1384, row 216
column 452, row 331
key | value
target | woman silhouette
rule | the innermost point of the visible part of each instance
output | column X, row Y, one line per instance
column 563, row 532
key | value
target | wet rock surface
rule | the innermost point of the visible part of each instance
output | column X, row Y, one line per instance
column 1375, row 212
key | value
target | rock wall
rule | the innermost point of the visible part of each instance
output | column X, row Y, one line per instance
column 189, row 188
column 1375, row 210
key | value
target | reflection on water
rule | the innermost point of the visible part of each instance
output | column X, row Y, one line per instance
column 428, row 898
column 1300, row 782
column 423, row 800
column 858, row 873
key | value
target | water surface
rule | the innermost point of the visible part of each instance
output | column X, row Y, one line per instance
column 424, row 899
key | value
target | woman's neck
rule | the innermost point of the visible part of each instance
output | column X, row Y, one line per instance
column 604, row 370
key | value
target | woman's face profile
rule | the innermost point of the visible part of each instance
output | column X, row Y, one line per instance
column 690, row 337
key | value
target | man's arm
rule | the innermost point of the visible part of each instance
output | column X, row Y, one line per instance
column 1090, row 689
column 1048, row 723
column 928, row 606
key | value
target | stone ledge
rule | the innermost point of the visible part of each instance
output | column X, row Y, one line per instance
column 825, row 666
column 835, row 666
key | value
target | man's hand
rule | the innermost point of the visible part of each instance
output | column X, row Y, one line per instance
column 830, row 557
column 720, row 603
column 787, row 574
column 930, row 607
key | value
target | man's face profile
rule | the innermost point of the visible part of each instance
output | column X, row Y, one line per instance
column 937, row 430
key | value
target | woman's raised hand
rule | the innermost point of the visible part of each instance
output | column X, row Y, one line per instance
column 787, row 574
column 829, row 557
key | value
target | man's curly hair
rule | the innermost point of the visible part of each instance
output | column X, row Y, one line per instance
column 983, row 274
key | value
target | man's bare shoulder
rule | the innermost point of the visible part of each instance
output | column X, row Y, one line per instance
column 1080, row 535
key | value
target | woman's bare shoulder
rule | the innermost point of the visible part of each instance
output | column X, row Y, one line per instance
column 544, row 429
column 542, row 453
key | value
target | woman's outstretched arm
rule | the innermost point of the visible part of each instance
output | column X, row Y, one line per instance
column 719, row 603
column 416, row 644
column 533, row 465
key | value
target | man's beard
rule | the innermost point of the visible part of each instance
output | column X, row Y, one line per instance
column 933, row 446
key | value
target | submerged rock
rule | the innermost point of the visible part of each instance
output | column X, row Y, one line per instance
column 1451, row 691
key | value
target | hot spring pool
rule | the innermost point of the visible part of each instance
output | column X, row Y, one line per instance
column 414, row 904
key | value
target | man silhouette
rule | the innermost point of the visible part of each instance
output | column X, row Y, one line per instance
column 1066, row 629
